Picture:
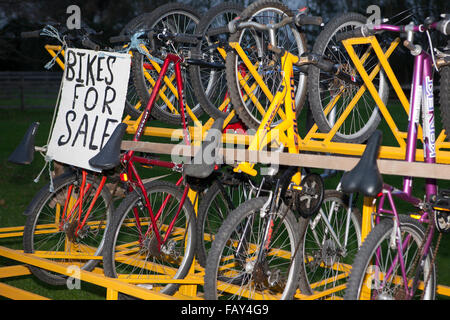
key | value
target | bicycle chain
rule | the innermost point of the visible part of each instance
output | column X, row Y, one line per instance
column 416, row 259
column 432, row 262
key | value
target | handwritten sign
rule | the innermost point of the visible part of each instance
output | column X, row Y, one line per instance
column 92, row 101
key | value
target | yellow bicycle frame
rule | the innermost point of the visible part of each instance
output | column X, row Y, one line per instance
column 286, row 132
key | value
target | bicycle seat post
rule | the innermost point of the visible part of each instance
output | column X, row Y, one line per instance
column 272, row 36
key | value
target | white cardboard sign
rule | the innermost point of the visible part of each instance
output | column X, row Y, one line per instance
column 92, row 101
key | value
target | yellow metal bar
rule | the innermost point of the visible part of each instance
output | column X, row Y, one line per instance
column 262, row 133
column 191, row 290
column 91, row 277
column 161, row 92
column 14, row 271
column 246, row 293
column 236, row 46
column 18, row 294
column 367, row 221
column 368, row 79
column 367, row 217
column 51, row 49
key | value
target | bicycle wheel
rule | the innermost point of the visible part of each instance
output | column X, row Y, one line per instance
column 327, row 258
column 249, row 101
column 209, row 84
column 225, row 194
column 132, row 249
column 378, row 258
column 233, row 270
column 46, row 230
column 176, row 18
column 324, row 89
column 444, row 98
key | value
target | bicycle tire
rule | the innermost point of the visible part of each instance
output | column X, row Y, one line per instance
column 444, row 98
column 248, row 112
column 133, row 98
column 47, row 205
column 224, row 195
column 318, row 97
column 379, row 234
column 180, row 250
column 328, row 262
column 159, row 19
column 209, row 85
column 232, row 222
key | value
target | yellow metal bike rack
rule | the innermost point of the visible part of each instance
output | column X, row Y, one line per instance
column 313, row 141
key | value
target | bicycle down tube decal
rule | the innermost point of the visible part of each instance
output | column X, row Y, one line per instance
column 429, row 136
column 92, row 102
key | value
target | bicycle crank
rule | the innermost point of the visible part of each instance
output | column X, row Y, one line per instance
column 308, row 197
column 441, row 206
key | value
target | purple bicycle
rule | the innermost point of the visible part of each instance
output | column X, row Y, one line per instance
column 397, row 259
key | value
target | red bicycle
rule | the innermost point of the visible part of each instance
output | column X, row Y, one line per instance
column 151, row 237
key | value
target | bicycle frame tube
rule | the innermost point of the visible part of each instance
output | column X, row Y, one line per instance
column 129, row 159
column 171, row 58
column 421, row 95
column 265, row 133
column 429, row 137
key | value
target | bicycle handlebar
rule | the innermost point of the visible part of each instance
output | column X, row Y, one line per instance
column 299, row 19
column 31, row 34
column 363, row 31
column 217, row 31
column 176, row 37
column 121, row 38
column 442, row 26
column 83, row 37
column 303, row 20
column 88, row 43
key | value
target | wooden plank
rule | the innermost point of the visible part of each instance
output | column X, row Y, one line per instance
column 388, row 167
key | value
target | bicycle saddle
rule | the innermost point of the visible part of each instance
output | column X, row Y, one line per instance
column 109, row 156
column 204, row 160
column 365, row 177
column 24, row 153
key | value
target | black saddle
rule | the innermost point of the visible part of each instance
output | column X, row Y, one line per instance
column 365, row 177
column 204, row 160
column 109, row 156
column 24, row 153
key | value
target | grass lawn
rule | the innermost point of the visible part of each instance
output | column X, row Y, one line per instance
column 17, row 189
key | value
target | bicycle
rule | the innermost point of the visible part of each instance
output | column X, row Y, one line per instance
column 397, row 260
column 252, row 276
column 175, row 18
column 72, row 200
column 253, row 76
column 210, row 84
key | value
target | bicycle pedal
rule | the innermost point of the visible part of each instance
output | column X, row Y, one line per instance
column 441, row 207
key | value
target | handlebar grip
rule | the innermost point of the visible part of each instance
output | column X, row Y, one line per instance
column 444, row 26
column 186, row 38
column 302, row 20
column 355, row 33
column 217, row 31
column 30, row 34
column 88, row 43
column 325, row 65
column 233, row 24
column 121, row 38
